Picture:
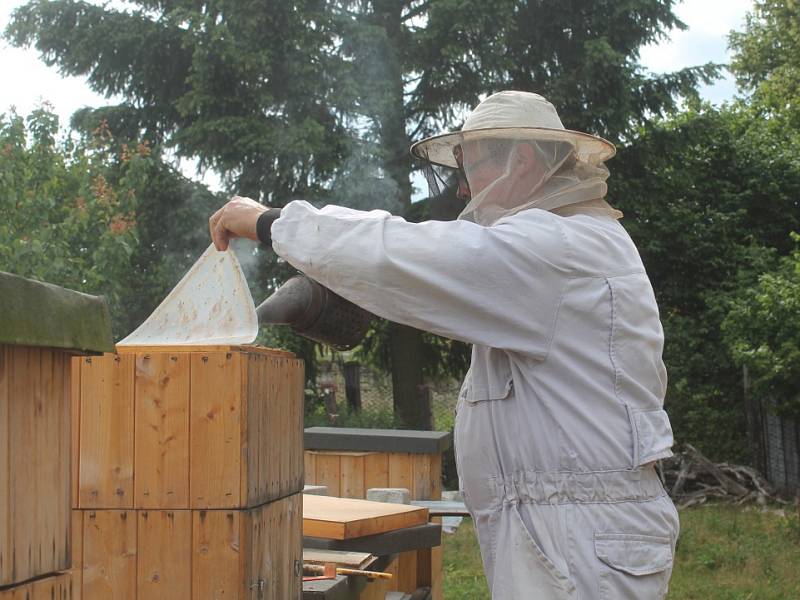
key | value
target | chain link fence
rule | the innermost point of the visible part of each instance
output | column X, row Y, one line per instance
column 353, row 395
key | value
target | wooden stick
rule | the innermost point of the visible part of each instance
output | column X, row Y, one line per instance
column 320, row 569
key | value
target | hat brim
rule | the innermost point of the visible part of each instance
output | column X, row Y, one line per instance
column 438, row 149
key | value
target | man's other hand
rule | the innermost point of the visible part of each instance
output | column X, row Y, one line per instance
column 237, row 218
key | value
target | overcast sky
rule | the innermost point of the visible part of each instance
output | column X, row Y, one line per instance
column 27, row 81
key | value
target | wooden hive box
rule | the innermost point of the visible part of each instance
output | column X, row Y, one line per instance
column 41, row 326
column 187, row 427
column 350, row 461
column 244, row 554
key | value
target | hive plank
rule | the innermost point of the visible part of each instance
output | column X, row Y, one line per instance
column 329, row 472
column 216, row 568
column 216, row 430
column 376, row 471
column 164, row 568
column 109, row 555
column 106, row 432
column 162, row 431
column 5, row 490
column 75, row 427
column 351, row 476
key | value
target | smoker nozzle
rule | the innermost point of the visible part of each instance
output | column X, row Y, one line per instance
column 315, row 312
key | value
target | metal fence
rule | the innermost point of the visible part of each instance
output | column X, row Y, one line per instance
column 355, row 395
column 781, row 450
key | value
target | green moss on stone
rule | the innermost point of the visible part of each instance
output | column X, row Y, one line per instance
column 33, row 313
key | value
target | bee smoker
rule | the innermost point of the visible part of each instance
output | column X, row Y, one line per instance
column 315, row 312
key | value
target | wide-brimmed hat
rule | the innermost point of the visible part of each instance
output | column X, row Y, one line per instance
column 513, row 115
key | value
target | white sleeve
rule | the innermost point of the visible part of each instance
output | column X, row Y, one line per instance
column 496, row 286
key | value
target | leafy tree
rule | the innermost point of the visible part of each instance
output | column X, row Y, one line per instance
column 762, row 331
column 271, row 94
column 709, row 197
column 767, row 57
column 76, row 213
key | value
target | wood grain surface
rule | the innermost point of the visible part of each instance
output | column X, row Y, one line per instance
column 346, row 518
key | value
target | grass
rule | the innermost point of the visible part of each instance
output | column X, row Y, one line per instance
column 724, row 553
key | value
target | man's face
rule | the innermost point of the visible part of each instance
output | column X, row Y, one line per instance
column 480, row 164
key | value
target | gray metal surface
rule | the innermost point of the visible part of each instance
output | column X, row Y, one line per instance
column 391, row 542
column 377, row 440
column 443, row 508
column 44, row 315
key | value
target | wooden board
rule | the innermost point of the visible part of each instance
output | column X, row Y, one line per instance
column 76, row 535
column 5, row 468
column 345, row 518
column 215, row 554
column 162, row 431
column 59, row 587
column 216, row 430
column 109, row 555
column 377, row 589
column 350, row 560
column 56, row 587
column 106, row 432
column 273, row 550
column 34, row 471
column 164, row 566
column 75, row 427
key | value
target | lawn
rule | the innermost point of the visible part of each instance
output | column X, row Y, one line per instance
column 724, row 553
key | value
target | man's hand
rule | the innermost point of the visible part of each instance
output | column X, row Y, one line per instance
column 237, row 218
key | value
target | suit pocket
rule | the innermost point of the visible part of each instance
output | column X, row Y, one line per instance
column 489, row 376
column 633, row 566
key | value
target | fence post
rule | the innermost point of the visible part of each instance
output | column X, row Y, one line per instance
column 426, row 410
column 755, row 426
column 352, row 384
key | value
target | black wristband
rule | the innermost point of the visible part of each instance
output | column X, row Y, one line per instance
column 264, row 224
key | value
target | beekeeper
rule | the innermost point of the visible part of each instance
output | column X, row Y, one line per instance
column 559, row 419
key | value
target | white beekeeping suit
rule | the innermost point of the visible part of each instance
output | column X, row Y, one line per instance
column 560, row 416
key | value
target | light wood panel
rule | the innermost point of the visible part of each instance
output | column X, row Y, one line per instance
column 329, row 472
column 164, row 566
column 162, row 431
column 216, row 430
column 109, row 555
column 346, row 518
column 215, row 554
column 34, row 463
column 76, row 543
column 5, row 468
column 376, row 471
column 75, row 427
column 106, row 432
column 273, row 558
column 351, row 476
column 56, row 587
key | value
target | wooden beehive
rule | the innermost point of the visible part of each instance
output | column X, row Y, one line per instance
column 41, row 327
column 351, row 461
column 188, row 428
column 189, row 464
column 239, row 554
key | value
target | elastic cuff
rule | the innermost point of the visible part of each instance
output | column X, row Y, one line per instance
column 264, row 224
